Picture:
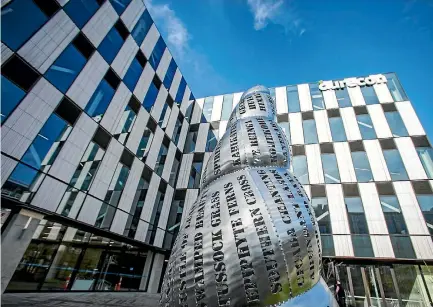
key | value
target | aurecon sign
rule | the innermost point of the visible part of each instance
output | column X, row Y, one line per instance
column 351, row 82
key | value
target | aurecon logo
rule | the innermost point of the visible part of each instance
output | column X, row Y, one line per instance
column 351, row 82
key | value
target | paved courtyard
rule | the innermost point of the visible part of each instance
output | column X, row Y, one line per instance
column 131, row 299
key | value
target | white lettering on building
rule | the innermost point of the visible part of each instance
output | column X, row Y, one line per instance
column 352, row 82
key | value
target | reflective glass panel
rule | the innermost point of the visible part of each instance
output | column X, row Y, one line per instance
column 133, row 74
column 111, row 45
column 157, row 53
column 395, row 87
column 207, row 109
column 180, row 91
column 146, row 141
column 66, row 68
column 310, row 132
column 327, row 245
column 227, row 107
column 11, row 95
column 337, row 129
column 426, row 156
column 300, row 169
column 154, row 219
column 81, row 11
column 395, row 164
column 362, row 246
column 425, row 202
column 22, row 183
column 330, row 168
column 402, row 246
column 396, row 124
column 142, row 27
column 195, row 175
column 410, row 285
column 293, row 99
column 366, row 127
column 211, row 140
column 169, row 75
column 160, row 161
column 316, row 97
column 286, row 128
column 355, row 211
column 362, row 166
column 136, row 208
column 321, row 210
column 393, row 215
column 24, row 17
column 120, row 5
column 173, row 172
column 343, row 98
column 369, row 94
column 150, row 98
column 100, row 100
column 191, row 140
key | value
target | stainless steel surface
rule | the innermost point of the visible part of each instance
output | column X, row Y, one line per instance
column 251, row 238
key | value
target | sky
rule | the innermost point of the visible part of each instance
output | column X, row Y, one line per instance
column 226, row 46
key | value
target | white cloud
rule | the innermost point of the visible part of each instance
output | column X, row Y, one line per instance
column 280, row 12
column 177, row 34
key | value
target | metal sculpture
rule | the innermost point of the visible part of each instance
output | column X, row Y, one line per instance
column 251, row 237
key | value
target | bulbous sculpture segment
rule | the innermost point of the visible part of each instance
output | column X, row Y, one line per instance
column 255, row 104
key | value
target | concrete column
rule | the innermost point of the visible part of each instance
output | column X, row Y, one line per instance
column 15, row 240
column 146, row 271
column 155, row 275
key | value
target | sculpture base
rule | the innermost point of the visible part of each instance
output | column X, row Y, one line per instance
column 318, row 296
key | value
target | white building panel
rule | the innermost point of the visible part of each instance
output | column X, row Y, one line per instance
column 132, row 13
column 143, row 82
column 124, row 57
column 356, row 96
column 191, row 196
column 305, row 97
column 330, row 99
column 119, row 221
column 150, row 41
column 50, row 194
column 295, row 121
column 343, row 246
column 200, row 145
column 314, row 161
column 307, row 189
column 350, row 124
column 222, row 128
column 217, row 108
column 159, row 103
column 169, row 162
column 100, row 24
column 149, row 203
column 182, row 136
column 344, row 161
column 47, row 44
column 197, row 112
column 236, row 98
column 163, row 65
column 137, row 130
column 175, row 84
column 7, row 167
column 131, row 184
column 281, row 100
column 155, row 275
column 383, row 93
column 379, row 121
column 172, row 121
column 185, row 100
column 6, row 53
column 382, row 246
column 89, row 211
column 322, row 125
column 409, row 206
column 411, row 161
column 373, row 211
column 88, row 80
column 155, row 147
column 409, row 117
column 165, row 211
column 140, row 234
column 184, row 172
column 337, row 209
column 23, row 125
column 423, row 247
column 116, row 108
column 377, row 160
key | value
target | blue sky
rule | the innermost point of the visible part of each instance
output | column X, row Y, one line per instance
column 225, row 46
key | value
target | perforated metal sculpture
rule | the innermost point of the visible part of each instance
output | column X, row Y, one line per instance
column 251, row 238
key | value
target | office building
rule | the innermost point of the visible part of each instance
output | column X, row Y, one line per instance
column 103, row 146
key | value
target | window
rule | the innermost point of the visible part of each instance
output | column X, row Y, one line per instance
column 207, row 109
column 21, row 18
column 100, row 100
column 402, row 246
column 316, row 97
column 426, row 156
column 11, row 95
column 195, row 175
column 395, row 87
column 362, row 246
column 111, row 45
column 20, row 73
column 124, row 127
column 425, row 202
column 163, row 118
column 81, row 11
column 343, row 98
column 66, row 68
column 366, row 126
column 300, row 169
column 188, row 111
column 144, row 146
column 120, row 5
column 393, row 215
column 150, row 98
column 395, row 164
column 112, row 197
column 362, row 166
column 330, row 168
column 174, row 169
column 160, row 161
column 272, row 91
column 142, row 27
column 176, row 131
column 286, row 128
column 369, row 94
column 321, row 210
column 227, row 107
column 180, row 91
column 169, row 75
column 337, row 129
column 133, row 74
column 191, row 140
column 22, row 183
column 327, row 245
column 211, row 140
column 137, row 207
column 293, row 99
column 42, row 151
column 154, row 218
column 396, row 124
column 310, row 132
column 157, row 53
column 355, row 211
